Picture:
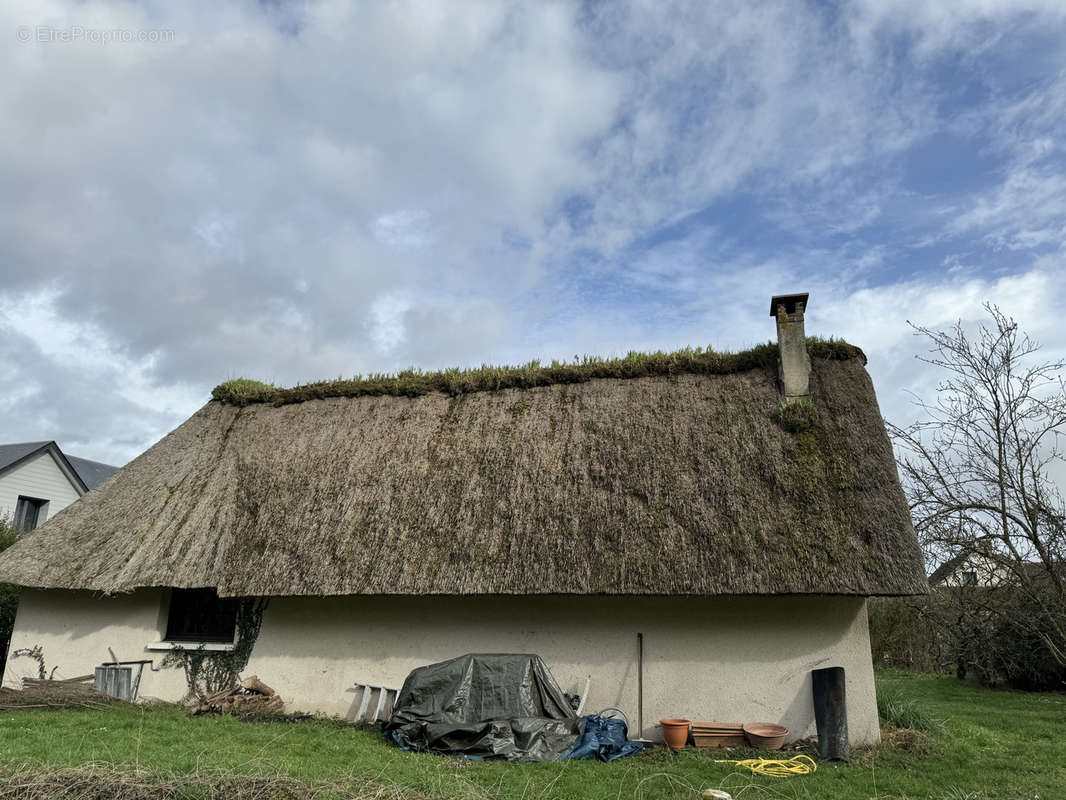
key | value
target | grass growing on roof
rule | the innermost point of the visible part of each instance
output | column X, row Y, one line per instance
column 455, row 381
column 992, row 745
column 796, row 416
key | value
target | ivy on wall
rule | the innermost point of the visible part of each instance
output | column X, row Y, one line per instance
column 211, row 671
column 37, row 654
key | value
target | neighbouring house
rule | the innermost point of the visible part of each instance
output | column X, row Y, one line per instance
column 969, row 568
column 988, row 569
column 729, row 513
column 38, row 480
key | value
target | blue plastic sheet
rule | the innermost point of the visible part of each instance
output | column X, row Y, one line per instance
column 603, row 738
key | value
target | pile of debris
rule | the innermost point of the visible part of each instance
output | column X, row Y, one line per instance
column 252, row 697
column 47, row 693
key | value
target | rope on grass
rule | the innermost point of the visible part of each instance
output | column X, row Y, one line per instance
column 776, row 768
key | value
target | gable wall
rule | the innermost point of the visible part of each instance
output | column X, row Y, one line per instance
column 39, row 477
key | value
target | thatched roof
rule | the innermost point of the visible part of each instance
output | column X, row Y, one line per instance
column 662, row 484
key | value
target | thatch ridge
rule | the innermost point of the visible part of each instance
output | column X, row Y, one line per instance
column 456, row 381
column 681, row 484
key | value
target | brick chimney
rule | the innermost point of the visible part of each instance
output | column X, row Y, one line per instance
column 795, row 364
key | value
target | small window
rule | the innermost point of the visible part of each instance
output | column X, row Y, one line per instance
column 30, row 512
column 969, row 578
column 200, row 615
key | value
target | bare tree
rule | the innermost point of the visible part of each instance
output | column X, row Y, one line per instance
column 978, row 471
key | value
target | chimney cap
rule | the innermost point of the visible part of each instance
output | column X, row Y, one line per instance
column 789, row 301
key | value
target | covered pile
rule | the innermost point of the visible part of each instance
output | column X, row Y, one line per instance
column 496, row 706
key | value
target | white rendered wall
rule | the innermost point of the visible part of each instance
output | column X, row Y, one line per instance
column 78, row 631
column 733, row 659
column 39, row 477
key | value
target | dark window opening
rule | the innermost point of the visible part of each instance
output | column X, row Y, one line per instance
column 969, row 579
column 200, row 615
column 29, row 512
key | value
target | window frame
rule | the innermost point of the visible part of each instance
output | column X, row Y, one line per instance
column 210, row 635
column 40, row 509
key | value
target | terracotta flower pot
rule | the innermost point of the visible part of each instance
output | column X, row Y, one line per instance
column 766, row 735
column 675, row 732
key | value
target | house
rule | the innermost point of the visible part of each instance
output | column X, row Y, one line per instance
column 985, row 568
column 697, row 532
column 968, row 568
column 37, row 480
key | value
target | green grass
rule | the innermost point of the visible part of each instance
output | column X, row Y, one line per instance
column 899, row 710
column 413, row 382
column 991, row 745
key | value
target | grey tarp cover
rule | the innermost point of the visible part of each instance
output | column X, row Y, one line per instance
column 504, row 706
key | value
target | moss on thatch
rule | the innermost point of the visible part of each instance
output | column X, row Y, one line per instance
column 666, row 484
column 796, row 416
column 414, row 383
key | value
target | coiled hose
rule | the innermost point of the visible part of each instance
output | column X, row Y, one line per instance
column 776, row 768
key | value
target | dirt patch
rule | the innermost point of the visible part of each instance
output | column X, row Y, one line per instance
column 896, row 740
column 907, row 740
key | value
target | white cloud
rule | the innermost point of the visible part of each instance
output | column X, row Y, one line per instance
column 41, row 343
column 386, row 321
column 877, row 320
column 1027, row 210
column 305, row 191
column 970, row 24
column 406, row 229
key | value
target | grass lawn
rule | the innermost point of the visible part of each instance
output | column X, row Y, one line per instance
column 991, row 745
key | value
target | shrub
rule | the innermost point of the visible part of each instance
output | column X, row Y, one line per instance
column 990, row 634
column 903, row 637
column 9, row 595
column 1004, row 643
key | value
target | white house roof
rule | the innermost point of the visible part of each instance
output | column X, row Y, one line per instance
column 91, row 473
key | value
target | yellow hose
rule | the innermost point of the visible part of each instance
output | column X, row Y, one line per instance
column 776, row 768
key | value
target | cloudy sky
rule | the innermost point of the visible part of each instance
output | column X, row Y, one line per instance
column 191, row 192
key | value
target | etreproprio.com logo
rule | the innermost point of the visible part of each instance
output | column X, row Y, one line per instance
column 48, row 34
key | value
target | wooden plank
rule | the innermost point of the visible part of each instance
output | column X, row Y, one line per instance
column 57, row 682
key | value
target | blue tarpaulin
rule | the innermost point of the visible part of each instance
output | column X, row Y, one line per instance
column 603, row 738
